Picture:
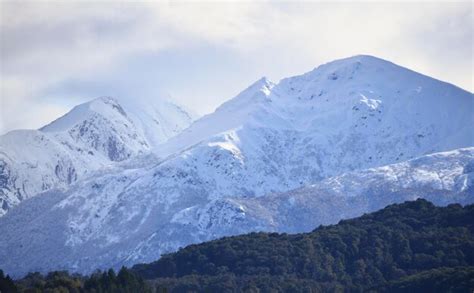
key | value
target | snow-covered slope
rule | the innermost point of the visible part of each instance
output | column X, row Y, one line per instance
column 350, row 114
column 92, row 136
column 101, row 225
column 340, row 104
column 443, row 178
column 344, row 116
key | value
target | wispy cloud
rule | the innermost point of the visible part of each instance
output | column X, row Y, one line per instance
column 56, row 54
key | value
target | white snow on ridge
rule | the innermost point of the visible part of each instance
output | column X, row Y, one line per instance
column 439, row 178
column 362, row 93
column 92, row 136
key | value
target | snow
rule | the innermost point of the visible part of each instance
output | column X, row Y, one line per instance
column 93, row 136
column 350, row 136
column 121, row 219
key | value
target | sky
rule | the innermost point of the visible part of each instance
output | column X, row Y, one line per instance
column 54, row 55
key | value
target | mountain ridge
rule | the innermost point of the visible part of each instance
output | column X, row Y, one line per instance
column 343, row 117
column 94, row 135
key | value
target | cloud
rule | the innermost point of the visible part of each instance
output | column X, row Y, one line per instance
column 54, row 55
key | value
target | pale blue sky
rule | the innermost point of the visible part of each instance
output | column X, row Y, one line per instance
column 55, row 55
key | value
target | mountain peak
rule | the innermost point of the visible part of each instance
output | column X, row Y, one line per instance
column 351, row 65
column 255, row 93
column 263, row 81
column 104, row 100
column 261, row 85
column 91, row 136
column 104, row 106
column 363, row 59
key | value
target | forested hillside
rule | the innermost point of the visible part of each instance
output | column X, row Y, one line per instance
column 412, row 245
column 409, row 247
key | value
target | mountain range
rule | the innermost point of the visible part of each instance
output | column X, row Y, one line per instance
column 346, row 138
column 93, row 136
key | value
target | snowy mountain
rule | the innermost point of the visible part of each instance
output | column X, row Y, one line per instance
column 242, row 168
column 92, row 136
column 102, row 225
column 442, row 178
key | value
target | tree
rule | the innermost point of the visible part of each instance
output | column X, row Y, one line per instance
column 6, row 284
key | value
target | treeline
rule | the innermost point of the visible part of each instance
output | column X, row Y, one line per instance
column 412, row 245
column 63, row 282
column 458, row 279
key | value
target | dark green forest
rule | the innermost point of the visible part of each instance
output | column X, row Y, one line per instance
column 62, row 282
column 371, row 252
column 409, row 247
